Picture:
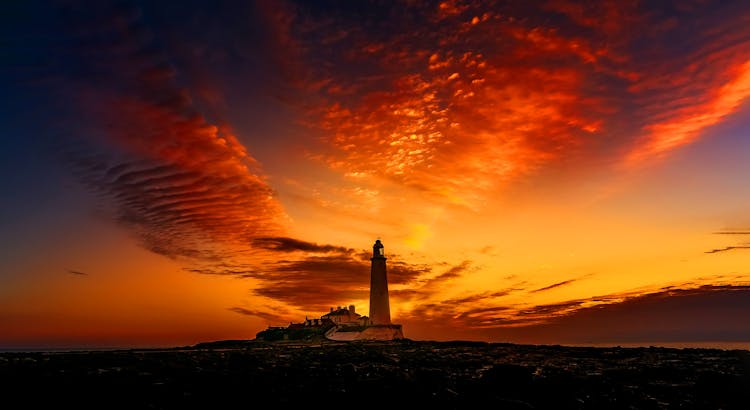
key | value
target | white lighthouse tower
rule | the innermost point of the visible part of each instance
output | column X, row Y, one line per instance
column 380, row 307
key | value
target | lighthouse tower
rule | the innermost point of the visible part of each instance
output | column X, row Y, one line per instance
column 380, row 309
column 378, row 326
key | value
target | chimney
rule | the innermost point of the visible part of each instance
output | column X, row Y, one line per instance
column 351, row 308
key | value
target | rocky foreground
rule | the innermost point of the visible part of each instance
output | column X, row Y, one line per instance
column 247, row 374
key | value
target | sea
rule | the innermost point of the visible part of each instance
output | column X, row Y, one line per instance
column 675, row 345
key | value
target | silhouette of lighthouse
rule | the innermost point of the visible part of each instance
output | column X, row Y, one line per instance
column 380, row 309
column 378, row 326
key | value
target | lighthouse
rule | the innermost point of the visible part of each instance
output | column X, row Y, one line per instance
column 378, row 326
column 380, row 309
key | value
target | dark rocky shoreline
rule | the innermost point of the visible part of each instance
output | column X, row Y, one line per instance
column 245, row 374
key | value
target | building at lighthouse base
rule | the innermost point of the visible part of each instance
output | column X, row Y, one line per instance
column 340, row 324
column 370, row 332
column 349, row 326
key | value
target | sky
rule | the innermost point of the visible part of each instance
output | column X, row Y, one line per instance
column 538, row 171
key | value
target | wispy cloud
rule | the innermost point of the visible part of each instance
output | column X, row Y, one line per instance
column 283, row 244
column 554, row 285
column 706, row 313
column 424, row 286
column 452, row 273
column 270, row 317
column 560, row 284
column 77, row 272
column 477, row 297
column 490, row 310
column 728, row 248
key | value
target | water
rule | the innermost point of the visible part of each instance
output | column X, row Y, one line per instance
column 676, row 345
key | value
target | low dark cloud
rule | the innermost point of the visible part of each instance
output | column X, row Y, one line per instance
column 312, row 297
column 284, row 244
column 728, row 248
column 268, row 316
column 470, row 299
column 224, row 271
column 77, row 272
column 464, row 312
column 733, row 232
column 402, row 272
column 422, row 285
column 317, row 282
column 554, row 285
column 503, row 315
column 549, row 310
column 453, row 272
column 707, row 313
column 312, row 277
column 331, row 269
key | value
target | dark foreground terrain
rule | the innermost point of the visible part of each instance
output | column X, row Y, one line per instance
column 365, row 375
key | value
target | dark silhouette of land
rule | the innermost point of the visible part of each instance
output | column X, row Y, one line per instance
column 246, row 374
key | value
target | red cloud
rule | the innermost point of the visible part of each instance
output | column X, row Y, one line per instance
column 461, row 99
column 192, row 183
column 183, row 183
column 683, row 124
column 461, row 113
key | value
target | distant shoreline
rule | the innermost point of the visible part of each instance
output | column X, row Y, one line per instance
column 230, row 344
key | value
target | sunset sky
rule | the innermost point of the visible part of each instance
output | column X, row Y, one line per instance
column 539, row 172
